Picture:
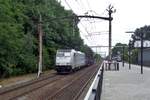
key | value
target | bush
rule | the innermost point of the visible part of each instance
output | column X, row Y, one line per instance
column 5, row 72
column 17, row 71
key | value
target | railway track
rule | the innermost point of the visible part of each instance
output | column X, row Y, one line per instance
column 53, row 87
column 21, row 89
column 67, row 88
column 73, row 90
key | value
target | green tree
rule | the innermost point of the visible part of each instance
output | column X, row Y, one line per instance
column 118, row 51
column 19, row 38
column 145, row 30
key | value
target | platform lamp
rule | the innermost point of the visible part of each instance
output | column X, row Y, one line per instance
column 130, row 54
column 141, row 38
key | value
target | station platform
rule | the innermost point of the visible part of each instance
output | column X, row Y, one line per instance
column 126, row 84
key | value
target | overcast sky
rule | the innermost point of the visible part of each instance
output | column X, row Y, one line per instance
column 130, row 14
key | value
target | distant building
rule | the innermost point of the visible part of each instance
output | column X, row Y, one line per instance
column 146, row 57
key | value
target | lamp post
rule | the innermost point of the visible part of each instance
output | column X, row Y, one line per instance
column 141, row 53
column 141, row 38
column 129, row 54
column 123, row 56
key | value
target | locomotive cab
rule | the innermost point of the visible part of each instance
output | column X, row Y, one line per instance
column 63, row 61
column 68, row 60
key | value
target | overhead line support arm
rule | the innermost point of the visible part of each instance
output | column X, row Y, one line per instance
column 84, row 16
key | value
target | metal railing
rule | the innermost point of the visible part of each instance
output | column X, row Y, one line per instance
column 94, row 92
column 108, row 66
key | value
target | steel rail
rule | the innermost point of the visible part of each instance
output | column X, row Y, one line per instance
column 68, row 85
column 82, row 89
column 18, row 87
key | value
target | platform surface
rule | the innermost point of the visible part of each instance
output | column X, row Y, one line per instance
column 126, row 84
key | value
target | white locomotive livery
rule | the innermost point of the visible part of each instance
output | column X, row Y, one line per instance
column 68, row 60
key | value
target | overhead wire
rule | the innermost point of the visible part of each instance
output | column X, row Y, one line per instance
column 86, row 38
column 88, row 4
column 85, row 29
column 91, row 26
column 83, row 8
column 68, row 5
column 81, row 24
column 98, row 33
column 92, row 15
column 91, row 22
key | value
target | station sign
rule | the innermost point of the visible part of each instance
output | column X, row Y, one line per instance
column 146, row 43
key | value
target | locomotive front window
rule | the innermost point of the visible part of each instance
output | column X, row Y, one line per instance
column 67, row 54
column 63, row 54
column 60, row 54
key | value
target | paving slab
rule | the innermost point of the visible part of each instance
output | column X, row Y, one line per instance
column 126, row 84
